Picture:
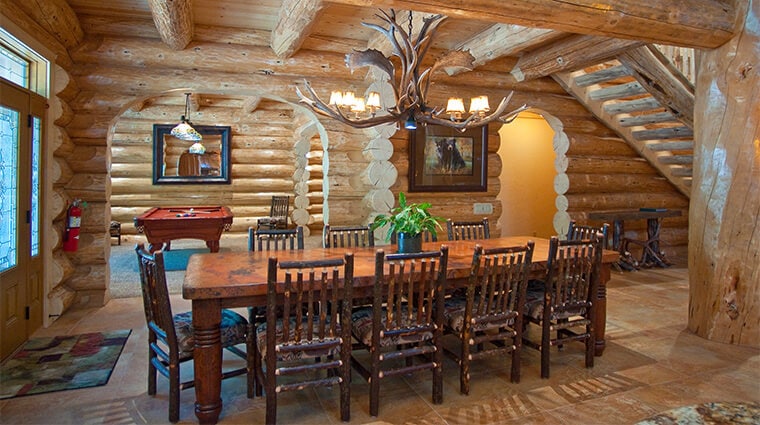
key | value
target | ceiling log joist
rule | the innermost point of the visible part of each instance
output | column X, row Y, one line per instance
column 13, row 11
column 568, row 54
column 57, row 18
column 696, row 23
column 504, row 40
column 296, row 18
column 174, row 21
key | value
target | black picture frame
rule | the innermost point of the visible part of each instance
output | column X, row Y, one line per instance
column 212, row 167
column 443, row 159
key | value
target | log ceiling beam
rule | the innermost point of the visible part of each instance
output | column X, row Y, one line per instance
column 57, row 18
column 295, row 20
column 13, row 11
column 696, row 23
column 569, row 54
column 174, row 21
column 655, row 72
column 504, row 40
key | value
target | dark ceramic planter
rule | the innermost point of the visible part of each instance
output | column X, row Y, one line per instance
column 409, row 244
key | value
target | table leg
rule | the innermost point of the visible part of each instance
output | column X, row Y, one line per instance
column 153, row 247
column 207, row 360
column 617, row 234
column 625, row 262
column 213, row 245
column 652, row 247
column 600, row 316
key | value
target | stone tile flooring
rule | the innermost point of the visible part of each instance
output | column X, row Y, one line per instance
column 652, row 364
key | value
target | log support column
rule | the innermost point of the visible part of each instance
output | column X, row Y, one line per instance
column 724, row 215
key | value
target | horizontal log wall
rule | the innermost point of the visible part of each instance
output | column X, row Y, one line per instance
column 605, row 174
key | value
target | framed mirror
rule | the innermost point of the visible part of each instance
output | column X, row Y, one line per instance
column 178, row 161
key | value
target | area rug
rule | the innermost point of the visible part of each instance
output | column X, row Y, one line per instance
column 708, row 414
column 62, row 363
column 174, row 260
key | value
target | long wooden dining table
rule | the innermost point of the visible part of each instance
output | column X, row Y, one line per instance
column 214, row 281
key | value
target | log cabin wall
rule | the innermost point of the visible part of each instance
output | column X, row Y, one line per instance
column 112, row 79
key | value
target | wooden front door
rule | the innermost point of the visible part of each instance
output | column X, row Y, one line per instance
column 22, row 116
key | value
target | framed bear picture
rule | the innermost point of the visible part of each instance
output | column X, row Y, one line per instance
column 443, row 159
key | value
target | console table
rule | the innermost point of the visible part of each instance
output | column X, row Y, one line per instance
column 651, row 246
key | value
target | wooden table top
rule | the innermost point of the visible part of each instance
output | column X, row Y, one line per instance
column 632, row 215
column 244, row 273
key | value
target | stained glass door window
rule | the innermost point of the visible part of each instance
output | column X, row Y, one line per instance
column 34, row 221
column 9, row 139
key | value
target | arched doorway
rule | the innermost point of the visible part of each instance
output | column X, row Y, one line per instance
column 532, row 152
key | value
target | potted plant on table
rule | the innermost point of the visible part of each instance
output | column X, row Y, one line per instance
column 408, row 221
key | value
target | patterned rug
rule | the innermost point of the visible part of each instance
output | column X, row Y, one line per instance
column 62, row 363
column 708, row 414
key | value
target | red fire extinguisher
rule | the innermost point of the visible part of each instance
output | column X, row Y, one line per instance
column 73, row 223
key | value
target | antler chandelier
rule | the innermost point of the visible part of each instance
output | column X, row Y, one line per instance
column 412, row 83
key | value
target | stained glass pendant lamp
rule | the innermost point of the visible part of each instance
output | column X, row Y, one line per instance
column 184, row 130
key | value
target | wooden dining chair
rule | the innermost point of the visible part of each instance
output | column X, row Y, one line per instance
column 271, row 240
column 347, row 236
column 170, row 337
column 402, row 329
column 278, row 214
column 466, row 230
column 579, row 232
column 488, row 319
column 275, row 239
column 309, row 309
column 563, row 308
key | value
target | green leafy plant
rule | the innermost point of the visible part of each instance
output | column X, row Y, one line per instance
column 408, row 218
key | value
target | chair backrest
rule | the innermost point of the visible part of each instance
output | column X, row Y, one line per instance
column 346, row 236
column 275, row 239
column 426, row 237
column 411, row 287
column 280, row 207
column 465, row 230
column 158, row 309
column 500, row 276
column 578, row 232
column 313, row 288
column 573, row 270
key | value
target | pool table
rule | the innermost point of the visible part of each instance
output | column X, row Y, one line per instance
column 163, row 224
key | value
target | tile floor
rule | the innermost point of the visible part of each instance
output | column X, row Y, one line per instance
column 652, row 363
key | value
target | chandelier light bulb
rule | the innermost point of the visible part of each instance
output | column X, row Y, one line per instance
column 373, row 100
column 348, row 99
column 358, row 106
column 336, row 98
